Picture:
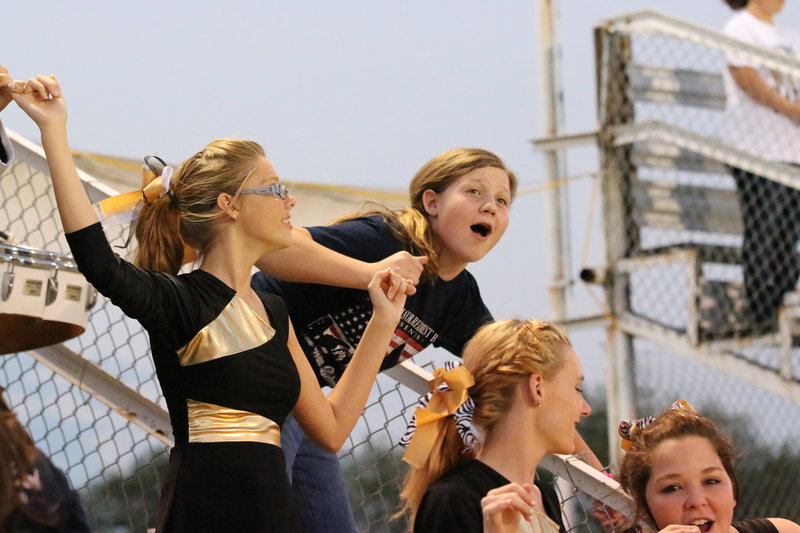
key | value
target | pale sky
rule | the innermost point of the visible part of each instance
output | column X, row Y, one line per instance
column 346, row 92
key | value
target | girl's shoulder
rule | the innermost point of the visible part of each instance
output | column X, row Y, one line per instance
column 356, row 224
column 766, row 525
column 784, row 525
column 745, row 26
column 352, row 236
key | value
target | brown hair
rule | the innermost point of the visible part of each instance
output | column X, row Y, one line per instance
column 673, row 424
column 500, row 356
column 187, row 213
column 411, row 225
column 17, row 456
column 736, row 4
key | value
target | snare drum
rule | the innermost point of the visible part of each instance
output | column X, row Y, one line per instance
column 44, row 300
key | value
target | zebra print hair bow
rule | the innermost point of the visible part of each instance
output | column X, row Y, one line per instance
column 448, row 397
column 628, row 428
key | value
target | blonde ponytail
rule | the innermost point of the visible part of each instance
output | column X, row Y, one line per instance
column 447, row 453
column 500, row 356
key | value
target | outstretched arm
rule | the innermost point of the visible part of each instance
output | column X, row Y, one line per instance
column 42, row 100
column 5, row 91
column 6, row 150
column 307, row 261
column 329, row 420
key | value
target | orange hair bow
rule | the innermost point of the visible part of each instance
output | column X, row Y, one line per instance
column 448, row 397
column 123, row 208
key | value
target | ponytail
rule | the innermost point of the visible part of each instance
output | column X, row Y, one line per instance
column 414, row 231
column 160, row 243
column 500, row 356
column 173, row 228
column 447, row 453
column 411, row 228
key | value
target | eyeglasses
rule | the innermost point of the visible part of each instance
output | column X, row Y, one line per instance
column 276, row 189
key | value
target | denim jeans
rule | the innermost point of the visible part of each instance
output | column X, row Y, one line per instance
column 320, row 495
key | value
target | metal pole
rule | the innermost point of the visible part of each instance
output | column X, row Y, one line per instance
column 621, row 386
column 551, row 107
column 613, row 53
column 552, row 98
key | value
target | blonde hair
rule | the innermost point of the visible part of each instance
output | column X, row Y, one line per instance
column 411, row 225
column 187, row 214
column 500, row 356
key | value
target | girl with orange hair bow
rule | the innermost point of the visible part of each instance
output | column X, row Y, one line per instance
column 526, row 400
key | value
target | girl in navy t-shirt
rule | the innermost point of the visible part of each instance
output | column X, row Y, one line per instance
column 459, row 210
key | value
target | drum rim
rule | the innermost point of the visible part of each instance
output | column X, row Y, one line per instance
column 36, row 258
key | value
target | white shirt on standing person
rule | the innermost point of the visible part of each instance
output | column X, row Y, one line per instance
column 753, row 127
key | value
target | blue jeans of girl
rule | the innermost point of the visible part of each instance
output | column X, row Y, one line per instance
column 320, row 494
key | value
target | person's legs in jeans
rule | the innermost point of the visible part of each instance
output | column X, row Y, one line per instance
column 291, row 437
column 320, row 493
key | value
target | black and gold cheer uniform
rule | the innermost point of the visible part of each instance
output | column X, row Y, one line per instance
column 229, row 382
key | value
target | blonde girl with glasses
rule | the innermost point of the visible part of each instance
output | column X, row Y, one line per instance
column 228, row 361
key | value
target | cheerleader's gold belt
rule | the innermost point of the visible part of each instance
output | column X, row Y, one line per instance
column 214, row 423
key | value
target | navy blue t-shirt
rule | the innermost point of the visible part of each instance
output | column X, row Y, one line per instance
column 329, row 321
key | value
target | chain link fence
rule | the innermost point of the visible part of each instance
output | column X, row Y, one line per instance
column 674, row 237
column 94, row 406
column 701, row 206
